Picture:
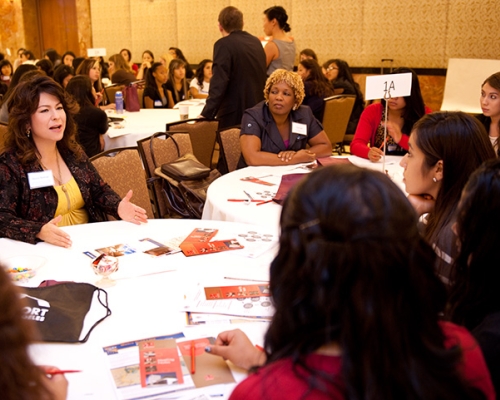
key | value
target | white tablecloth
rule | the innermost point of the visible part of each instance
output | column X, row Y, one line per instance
column 141, row 124
column 142, row 306
column 230, row 186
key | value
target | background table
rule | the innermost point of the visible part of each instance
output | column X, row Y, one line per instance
column 142, row 306
column 230, row 186
column 141, row 124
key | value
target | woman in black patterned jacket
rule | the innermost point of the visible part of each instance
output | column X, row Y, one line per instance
column 46, row 179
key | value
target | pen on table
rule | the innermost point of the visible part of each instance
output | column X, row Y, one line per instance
column 243, row 200
column 193, row 358
column 264, row 202
column 63, row 371
column 248, row 194
column 265, row 176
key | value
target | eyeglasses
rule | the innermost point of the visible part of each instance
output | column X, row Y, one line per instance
column 331, row 68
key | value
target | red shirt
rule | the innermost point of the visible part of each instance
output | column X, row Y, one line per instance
column 279, row 380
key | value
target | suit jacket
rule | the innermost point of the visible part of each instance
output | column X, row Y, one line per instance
column 239, row 76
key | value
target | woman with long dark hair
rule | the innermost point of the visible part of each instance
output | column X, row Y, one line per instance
column 148, row 59
column 445, row 148
column 475, row 298
column 490, row 105
column 20, row 378
column 356, row 303
column 155, row 92
column 92, row 122
column 200, row 84
column 127, row 56
column 177, row 53
column 339, row 74
column 41, row 137
column 176, row 84
column 316, row 87
column 403, row 112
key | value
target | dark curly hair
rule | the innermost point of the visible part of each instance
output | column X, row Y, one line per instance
column 353, row 269
column 200, row 73
column 23, row 103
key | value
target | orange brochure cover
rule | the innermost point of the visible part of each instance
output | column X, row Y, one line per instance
column 194, row 249
column 159, row 362
column 208, row 369
column 236, row 292
column 201, row 235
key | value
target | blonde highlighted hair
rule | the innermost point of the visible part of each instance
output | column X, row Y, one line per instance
column 291, row 79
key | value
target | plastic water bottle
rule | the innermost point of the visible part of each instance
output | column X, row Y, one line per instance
column 119, row 102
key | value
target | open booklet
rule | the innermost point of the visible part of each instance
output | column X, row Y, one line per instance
column 153, row 366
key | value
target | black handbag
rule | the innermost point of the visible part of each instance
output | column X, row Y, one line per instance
column 185, row 183
column 58, row 310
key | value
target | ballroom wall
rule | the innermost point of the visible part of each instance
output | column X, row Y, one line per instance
column 421, row 34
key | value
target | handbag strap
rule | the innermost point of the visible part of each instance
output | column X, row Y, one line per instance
column 168, row 135
column 108, row 312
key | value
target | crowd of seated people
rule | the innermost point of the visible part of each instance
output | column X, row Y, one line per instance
column 330, row 335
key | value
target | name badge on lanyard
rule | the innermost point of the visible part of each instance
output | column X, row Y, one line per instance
column 40, row 179
column 299, row 129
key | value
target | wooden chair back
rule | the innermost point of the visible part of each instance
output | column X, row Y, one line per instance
column 338, row 111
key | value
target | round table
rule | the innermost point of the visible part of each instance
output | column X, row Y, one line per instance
column 231, row 186
column 148, row 296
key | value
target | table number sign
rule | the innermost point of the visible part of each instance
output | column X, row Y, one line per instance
column 386, row 86
column 96, row 52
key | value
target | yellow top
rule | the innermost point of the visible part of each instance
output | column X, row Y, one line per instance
column 70, row 204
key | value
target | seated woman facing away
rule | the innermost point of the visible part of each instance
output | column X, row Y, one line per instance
column 475, row 298
column 155, row 92
column 490, row 104
column 445, row 148
column 316, row 87
column 200, row 84
column 46, row 179
column 92, row 122
column 120, row 71
column 20, row 378
column 356, row 303
column 403, row 113
column 276, row 131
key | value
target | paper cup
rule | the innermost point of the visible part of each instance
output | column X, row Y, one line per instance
column 184, row 112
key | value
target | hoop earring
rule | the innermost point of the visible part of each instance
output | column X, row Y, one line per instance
column 267, row 103
column 28, row 132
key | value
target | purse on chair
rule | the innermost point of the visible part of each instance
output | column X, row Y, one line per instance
column 185, row 183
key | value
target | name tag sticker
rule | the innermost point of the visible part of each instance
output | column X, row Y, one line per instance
column 158, row 103
column 40, row 179
column 299, row 129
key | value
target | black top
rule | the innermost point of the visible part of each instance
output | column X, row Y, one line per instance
column 180, row 93
column 154, row 94
column 239, row 76
column 92, row 122
column 315, row 102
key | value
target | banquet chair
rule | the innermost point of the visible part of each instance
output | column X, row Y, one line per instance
column 164, row 152
column 202, row 133
column 122, row 169
column 111, row 91
column 338, row 110
column 230, row 149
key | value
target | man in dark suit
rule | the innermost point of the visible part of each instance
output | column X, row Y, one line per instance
column 239, row 71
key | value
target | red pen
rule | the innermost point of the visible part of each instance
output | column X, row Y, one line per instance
column 382, row 145
column 264, row 202
column 63, row 371
column 193, row 358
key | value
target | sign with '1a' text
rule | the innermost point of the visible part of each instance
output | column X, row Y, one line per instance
column 386, row 86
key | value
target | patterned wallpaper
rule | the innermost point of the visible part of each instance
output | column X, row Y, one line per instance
column 420, row 34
